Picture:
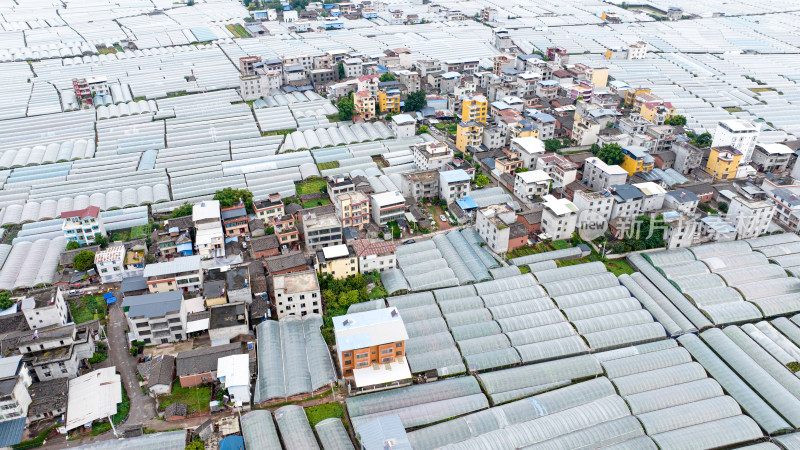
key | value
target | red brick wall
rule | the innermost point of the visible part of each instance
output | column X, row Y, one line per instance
column 196, row 379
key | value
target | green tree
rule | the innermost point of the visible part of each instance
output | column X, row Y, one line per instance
column 387, row 77
column 196, row 444
column 101, row 240
column 184, row 210
column 190, row 3
column 83, row 261
column 522, row 170
column 341, row 70
column 676, row 121
column 346, row 108
column 5, row 300
column 611, row 154
column 422, row 129
column 415, row 101
column 703, row 140
column 552, row 145
column 723, row 206
column 229, row 197
column 481, row 180
column 72, row 245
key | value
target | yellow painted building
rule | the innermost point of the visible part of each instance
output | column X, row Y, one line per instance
column 523, row 128
column 657, row 112
column 468, row 134
column 474, row 109
column 723, row 163
column 632, row 92
column 389, row 101
column 364, row 105
column 637, row 160
column 338, row 261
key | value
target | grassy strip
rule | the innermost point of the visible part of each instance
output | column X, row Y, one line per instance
column 317, row 414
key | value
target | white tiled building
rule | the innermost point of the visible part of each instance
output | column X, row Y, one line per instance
column 297, row 294
column 82, row 225
column 751, row 218
column 599, row 175
column 739, row 134
column 110, row 264
column 559, row 217
column 531, row 183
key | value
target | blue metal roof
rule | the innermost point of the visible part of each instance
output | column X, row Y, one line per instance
column 203, row 34
column 466, row 203
column 11, row 431
column 234, row 442
column 683, row 196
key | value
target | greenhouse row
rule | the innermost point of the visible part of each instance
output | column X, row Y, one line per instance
column 295, row 428
column 420, row 404
column 31, row 263
column 293, row 359
column 68, row 150
column 119, row 219
column 729, row 281
column 446, row 260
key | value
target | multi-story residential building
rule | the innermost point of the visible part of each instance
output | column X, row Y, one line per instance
column 387, row 206
column 209, row 237
column 682, row 200
column 627, row 201
column 723, row 162
column 389, row 101
column 45, row 309
column 680, row 230
column 547, row 89
column 507, row 163
column 431, row 155
column 409, row 79
column 286, row 231
column 533, row 183
column 82, row 225
column 403, row 125
column 558, row 167
column 295, row 75
column 493, row 138
column 599, row 175
column 653, row 108
column 58, row 352
column 687, row 157
column 353, row 67
column 454, row 185
column 751, row 218
column 370, row 347
column 339, row 184
column 528, row 149
column 323, row 76
column 546, row 125
column 14, row 396
column 176, row 239
column 600, row 203
column 323, row 230
column 637, row 159
column 493, row 225
column 234, row 220
column 338, row 261
column 353, row 209
column 771, row 157
column 468, row 134
column 87, row 88
column 369, row 83
column 110, row 264
column 653, row 193
column 364, row 105
column 474, row 109
column 420, row 185
column 374, row 256
column 270, row 209
column 559, row 217
column 664, row 137
column 740, row 134
column 156, row 318
column 787, row 207
column 297, row 294
column 183, row 273
column 198, row 366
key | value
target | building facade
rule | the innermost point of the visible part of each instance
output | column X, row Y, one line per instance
column 297, row 294
column 82, row 225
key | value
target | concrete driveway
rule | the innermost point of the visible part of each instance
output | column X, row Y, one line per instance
column 143, row 407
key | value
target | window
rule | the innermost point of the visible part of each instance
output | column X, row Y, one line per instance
column 346, row 354
column 386, row 351
column 362, row 364
column 362, row 355
column 348, row 362
column 398, row 345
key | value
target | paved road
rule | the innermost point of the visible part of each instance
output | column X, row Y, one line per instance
column 143, row 407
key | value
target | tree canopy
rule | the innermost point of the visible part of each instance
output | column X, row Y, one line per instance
column 676, row 121
column 552, row 145
column 611, row 154
column 415, row 101
column 5, row 300
column 184, row 210
column 703, row 140
column 481, row 180
column 346, row 108
column 341, row 70
column 83, row 261
column 387, row 77
column 230, row 197
column 101, row 240
column 73, row 245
